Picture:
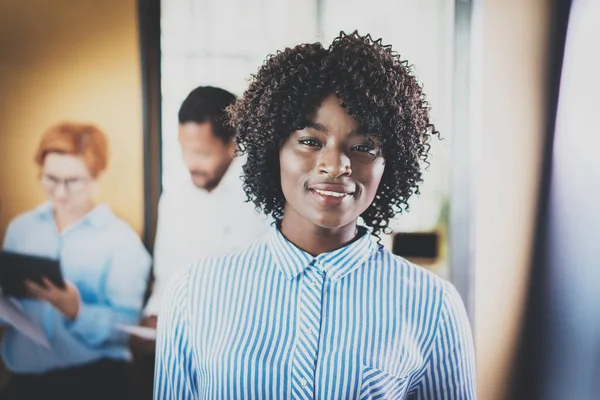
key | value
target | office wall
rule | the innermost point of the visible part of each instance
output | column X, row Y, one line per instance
column 510, row 57
column 70, row 60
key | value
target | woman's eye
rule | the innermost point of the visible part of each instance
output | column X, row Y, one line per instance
column 363, row 148
column 309, row 142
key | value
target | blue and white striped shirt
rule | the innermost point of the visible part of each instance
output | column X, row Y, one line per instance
column 273, row 322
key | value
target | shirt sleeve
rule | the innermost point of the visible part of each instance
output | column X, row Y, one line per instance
column 450, row 369
column 123, row 294
column 174, row 373
column 11, row 237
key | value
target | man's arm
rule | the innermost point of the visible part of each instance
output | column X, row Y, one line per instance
column 164, row 253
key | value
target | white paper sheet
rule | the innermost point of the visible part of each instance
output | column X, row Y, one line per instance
column 14, row 316
column 143, row 332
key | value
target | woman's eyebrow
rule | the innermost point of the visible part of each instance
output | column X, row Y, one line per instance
column 316, row 126
column 360, row 131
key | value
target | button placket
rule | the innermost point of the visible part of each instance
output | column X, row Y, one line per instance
column 309, row 324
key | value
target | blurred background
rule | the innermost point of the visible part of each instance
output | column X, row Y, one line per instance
column 508, row 210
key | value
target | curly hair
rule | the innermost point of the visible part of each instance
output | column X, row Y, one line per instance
column 374, row 86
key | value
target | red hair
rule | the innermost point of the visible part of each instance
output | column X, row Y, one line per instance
column 77, row 139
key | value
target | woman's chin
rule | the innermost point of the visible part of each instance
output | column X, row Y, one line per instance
column 332, row 222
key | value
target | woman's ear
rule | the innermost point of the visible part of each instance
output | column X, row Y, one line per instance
column 232, row 148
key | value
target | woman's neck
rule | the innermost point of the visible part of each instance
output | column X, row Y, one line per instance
column 314, row 239
column 65, row 218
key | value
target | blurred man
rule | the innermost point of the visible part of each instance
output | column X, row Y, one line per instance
column 207, row 214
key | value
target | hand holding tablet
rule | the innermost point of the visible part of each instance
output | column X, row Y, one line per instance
column 16, row 269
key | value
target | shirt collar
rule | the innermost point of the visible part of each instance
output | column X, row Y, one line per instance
column 97, row 217
column 45, row 210
column 292, row 261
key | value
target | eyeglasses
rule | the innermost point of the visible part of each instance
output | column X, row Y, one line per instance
column 72, row 185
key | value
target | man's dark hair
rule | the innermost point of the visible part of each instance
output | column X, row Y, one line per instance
column 208, row 104
column 374, row 86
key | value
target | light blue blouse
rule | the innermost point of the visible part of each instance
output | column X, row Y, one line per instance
column 271, row 321
column 101, row 255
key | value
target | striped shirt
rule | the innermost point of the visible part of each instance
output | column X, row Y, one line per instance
column 273, row 322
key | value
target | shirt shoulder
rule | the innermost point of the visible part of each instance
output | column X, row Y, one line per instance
column 180, row 190
column 424, row 288
column 202, row 276
column 180, row 202
column 25, row 219
column 438, row 296
column 123, row 230
column 118, row 232
column 411, row 273
column 441, row 294
column 25, row 222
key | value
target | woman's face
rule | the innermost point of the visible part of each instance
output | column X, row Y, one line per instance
column 67, row 181
column 330, row 170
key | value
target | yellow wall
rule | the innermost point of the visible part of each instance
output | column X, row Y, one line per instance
column 70, row 60
column 512, row 45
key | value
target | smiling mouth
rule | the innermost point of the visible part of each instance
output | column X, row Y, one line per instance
column 331, row 194
column 331, row 198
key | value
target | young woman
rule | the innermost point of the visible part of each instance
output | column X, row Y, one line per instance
column 104, row 264
column 318, row 309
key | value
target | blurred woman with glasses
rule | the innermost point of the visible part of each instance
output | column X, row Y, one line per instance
column 105, row 267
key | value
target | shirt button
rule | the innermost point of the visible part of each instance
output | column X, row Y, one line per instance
column 308, row 331
column 314, row 284
column 303, row 382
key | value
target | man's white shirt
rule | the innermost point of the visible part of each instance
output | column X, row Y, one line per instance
column 195, row 224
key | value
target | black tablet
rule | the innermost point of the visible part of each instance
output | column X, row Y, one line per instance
column 16, row 268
